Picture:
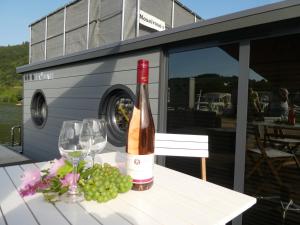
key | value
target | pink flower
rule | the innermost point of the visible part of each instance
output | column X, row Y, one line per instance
column 56, row 165
column 30, row 177
column 68, row 179
column 28, row 190
column 31, row 189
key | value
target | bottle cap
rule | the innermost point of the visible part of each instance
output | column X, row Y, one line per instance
column 143, row 71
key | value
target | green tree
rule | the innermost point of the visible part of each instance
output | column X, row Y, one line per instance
column 11, row 82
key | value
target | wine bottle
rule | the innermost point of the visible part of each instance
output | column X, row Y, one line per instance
column 140, row 141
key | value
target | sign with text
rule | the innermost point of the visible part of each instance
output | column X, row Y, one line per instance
column 39, row 76
column 151, row 21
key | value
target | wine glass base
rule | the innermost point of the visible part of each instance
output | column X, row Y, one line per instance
column 72, row 198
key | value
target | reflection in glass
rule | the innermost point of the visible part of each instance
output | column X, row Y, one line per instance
column 202, row 99
column 273, row 131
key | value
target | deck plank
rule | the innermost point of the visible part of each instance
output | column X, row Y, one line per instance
column 12, row 204
column 45, row 213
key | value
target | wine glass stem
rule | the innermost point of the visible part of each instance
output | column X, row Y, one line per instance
column 73, row 188
column 93, row 154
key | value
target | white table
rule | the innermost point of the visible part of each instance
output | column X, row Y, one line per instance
column 174, row 199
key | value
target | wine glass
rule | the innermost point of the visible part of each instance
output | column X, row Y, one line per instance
column 72, row 149
column 98, row 133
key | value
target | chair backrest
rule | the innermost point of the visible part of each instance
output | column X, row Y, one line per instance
column 183, row 145
column 254, row 136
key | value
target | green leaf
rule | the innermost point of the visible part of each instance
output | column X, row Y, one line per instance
column 64, row 170
column 63, row 190
column 55, row 185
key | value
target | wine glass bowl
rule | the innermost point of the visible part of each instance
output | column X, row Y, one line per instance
column 71, row 148
column 68, row 143
column 98, row 134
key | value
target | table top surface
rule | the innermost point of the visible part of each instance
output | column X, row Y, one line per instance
column 174, row 199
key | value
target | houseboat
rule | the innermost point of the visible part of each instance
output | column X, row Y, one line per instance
column 83, row 62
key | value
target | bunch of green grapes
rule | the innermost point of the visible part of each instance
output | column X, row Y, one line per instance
column 103, row 183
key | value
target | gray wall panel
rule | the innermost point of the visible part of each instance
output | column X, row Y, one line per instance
column 124, row 77
column 42, row 138
column 42, row 144
column 74, row 114
column 76, row 92
column 82, row 105
column 86, row 92
column 52, row 125
column 124, row 62
column 39, row 154
column 44, row 148
column 70, row 103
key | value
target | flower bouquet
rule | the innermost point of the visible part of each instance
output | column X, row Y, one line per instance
column 100, row 183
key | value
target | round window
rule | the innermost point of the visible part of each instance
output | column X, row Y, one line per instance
column 39, row 109
column 116, row 107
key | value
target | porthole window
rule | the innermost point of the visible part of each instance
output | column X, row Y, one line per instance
column 39, row 109
column 116, row 107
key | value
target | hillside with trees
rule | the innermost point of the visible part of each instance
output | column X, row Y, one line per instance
column 11, row 82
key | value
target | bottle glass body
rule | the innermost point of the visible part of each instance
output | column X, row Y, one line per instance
column 140, row 144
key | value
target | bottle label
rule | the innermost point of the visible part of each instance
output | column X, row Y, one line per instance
column 140, row 168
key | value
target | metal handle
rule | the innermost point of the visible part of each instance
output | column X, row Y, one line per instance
column 12, row 135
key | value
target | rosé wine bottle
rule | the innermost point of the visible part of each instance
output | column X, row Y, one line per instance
column 141, row 130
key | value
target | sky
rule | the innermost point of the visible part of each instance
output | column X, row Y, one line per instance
column 16, row 15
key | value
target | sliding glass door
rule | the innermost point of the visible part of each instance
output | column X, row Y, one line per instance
column 202, row 99
column 273, row 132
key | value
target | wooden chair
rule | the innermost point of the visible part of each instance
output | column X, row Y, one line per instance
column 273, row 158
column 268, row 131
column 183, row 145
